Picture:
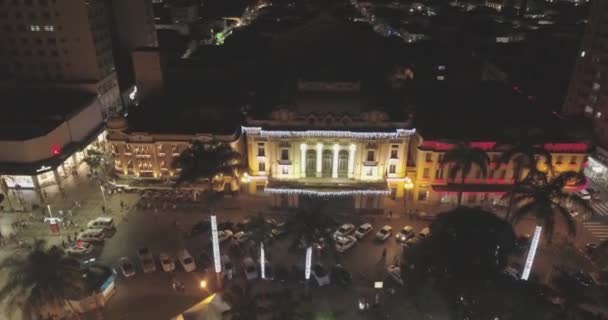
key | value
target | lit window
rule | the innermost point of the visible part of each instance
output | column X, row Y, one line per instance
column 441, row 68
column 49, row 28
column 394, row 152
column 35, row 27
column 262, row 166
column 261, row 150
column 582, row 53
column 440, row 78
column 284, row 154
column 392, row 169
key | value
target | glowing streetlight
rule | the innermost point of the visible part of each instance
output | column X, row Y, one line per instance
column 203, row 284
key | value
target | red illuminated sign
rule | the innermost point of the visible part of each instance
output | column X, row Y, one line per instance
column 55, row 149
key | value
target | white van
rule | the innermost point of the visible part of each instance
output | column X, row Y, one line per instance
column 105, row 223
column 91, row 235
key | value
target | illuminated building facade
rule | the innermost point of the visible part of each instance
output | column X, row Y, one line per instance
column 299, row 154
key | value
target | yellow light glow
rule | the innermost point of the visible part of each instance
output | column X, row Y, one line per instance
column 407, row 183
column 203, row 284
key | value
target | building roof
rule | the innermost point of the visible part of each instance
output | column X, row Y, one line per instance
column 181, row 115
column 29, row 113
column 482, row 111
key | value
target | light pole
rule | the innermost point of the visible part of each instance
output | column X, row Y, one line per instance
column 103, row 195
column 216, row 251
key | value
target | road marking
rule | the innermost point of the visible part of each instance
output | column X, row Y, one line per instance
column 598, row 230
column 600, row 208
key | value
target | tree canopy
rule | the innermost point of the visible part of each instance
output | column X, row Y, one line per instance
column 207, row 160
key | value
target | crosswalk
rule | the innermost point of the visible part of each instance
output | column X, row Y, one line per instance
column 597, row 229
column 600, row 208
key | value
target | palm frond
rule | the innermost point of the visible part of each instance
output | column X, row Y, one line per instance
column 568, row 219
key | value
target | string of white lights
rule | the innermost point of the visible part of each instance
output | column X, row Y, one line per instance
column 399, row 133
column 340, row 193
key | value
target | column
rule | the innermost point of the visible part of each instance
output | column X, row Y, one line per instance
column 303, row 149
column 351, row 161
column 319, row 159
column 334, row 167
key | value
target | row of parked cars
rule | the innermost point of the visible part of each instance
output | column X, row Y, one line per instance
column 148, row 264
column 347, row 235
column 87, row 241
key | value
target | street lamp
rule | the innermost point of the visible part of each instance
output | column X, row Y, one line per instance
column 203, row 284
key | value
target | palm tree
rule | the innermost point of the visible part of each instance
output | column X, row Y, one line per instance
column 461, row 160
column 260, row 230
column 243, row 304
column 94, row 159
column 546, row 200
column 525, row 156
column 207, row 160
column 42, row 277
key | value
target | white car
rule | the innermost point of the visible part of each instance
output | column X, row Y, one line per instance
column 227, row 266
column 363, row 230
column 404, row 234
column 166, row 262
column 320, row 274
column 224, row 235
column 126, row 266
column 146, row 260
column 345, row 243
column 384, row 233
column 250, row 268
column 80, row 248
column 241, row 237
column 395, row 273
column 344, row 230
column 424, row 233
column 106, row 223
column 186, row 260
column 92, row 235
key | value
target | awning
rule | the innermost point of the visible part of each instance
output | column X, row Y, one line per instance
column 478, row 188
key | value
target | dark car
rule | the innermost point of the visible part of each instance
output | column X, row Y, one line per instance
column 200, row 228
column 341, row 276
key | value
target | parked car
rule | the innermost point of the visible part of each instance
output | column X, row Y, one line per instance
column 344, row 230
column 345, row 243
column 166, row 262
column 251, row 271
column 384, row 233
column 320, row 275
column 186, row 260
column 424, row 233
column 204, row 260
column 146, row 260
column 404, row 234
column 126, row 266
column 279, row 230
column 106, row 223
column 92, row 235
column 227, row 266
column 395, row 273
column 80, row 249
column 341, row 276
column 363, row 230
column 224, row 235
column 242, row 225
column 241, row 237
column 584, row 194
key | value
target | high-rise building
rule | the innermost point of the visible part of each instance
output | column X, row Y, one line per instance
column 59, row 42
column 588, row 91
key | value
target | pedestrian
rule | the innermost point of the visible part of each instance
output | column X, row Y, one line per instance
column 122, row 205
column 103, row 209
column 63, row 243
column 383, row 253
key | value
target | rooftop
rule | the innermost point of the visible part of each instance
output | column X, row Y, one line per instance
column 181, row 115
column 483, row 111
column 29, row 113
